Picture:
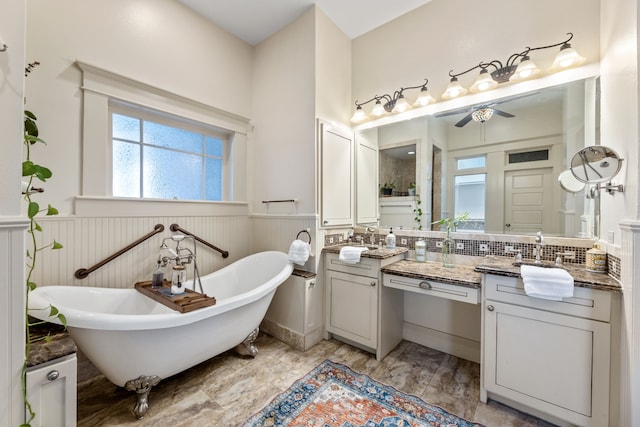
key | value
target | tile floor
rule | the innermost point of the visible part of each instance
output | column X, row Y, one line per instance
column 228, row 389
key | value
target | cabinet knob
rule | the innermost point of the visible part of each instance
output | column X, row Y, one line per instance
column 325, row 222
column 53, row 375
column 373, row 284
column 312, row 284
column 490, row 308
column 424, row 285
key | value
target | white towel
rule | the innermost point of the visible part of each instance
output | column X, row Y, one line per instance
column 351, row 254
column 299, row 251
column 546, row 283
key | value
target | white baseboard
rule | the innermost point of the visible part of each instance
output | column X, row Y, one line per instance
column 461, row 347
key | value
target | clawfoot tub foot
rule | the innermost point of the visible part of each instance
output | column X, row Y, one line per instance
column 247, row 347
column 142, row 386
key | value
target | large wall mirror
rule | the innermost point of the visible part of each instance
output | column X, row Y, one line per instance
column 499, row 160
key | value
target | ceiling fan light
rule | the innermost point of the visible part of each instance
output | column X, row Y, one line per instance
column 526, row 69
column 378, row 109
column 454, row 89
column 482, row 115
column 424, row 98
column 567, row 57
column 359, row 115
column 483, row 83
column 401, row 105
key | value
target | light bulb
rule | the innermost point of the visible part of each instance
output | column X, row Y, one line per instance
column 526, row 70
column 484, row 82
column 567, row 57
column 359, row 115
column 454, row 89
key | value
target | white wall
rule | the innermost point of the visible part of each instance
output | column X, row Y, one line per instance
column 12, row 228
column 457, row 34
column 161, row 43
column 283, row 142
column 619, row 130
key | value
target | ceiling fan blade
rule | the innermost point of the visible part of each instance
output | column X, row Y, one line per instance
column 502, row 113
column 466, row 119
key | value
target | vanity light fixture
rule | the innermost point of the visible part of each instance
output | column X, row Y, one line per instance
column 510, row 71
column 395, row 103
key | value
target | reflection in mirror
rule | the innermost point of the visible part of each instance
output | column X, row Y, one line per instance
column 503, row 166
column 595, row 164
column 397, row 169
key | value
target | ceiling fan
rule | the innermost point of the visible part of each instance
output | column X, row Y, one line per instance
column 482, row 112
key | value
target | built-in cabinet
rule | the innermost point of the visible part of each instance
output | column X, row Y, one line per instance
column 336, row 176
column 358, row 308
column 367, row 177
column 550, row 358
column 51, row 391
column 295, row 313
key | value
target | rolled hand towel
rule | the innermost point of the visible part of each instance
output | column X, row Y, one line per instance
column 299, row 252
column 351, row 254
column 547, row 283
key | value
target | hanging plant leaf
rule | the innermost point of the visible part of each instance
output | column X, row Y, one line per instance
column 51, row 210
column 56, row 245
column 33, row 209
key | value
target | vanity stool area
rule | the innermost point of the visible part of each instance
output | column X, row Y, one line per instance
column 52, row 377
column 551, row 359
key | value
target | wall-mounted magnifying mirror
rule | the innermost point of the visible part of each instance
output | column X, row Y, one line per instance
column 595, row 164
column 569, row 182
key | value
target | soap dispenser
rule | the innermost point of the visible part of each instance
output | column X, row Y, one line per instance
column 390, row 240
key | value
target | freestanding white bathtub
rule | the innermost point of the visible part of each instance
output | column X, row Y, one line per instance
column 135, row 341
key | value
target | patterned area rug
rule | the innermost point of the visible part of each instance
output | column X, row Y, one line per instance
column 332, row 395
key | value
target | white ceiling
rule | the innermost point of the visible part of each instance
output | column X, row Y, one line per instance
column 255, row 20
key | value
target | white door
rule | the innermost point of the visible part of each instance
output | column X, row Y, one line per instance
column 528, row 202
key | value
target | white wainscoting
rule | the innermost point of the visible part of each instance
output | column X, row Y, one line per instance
column 12, row 331
column 88, row 240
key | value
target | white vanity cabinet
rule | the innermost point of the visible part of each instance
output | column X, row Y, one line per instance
column 358, row 308
column 549, row 357
column 51, row 390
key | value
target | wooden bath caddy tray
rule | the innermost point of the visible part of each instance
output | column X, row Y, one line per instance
column 184, row 303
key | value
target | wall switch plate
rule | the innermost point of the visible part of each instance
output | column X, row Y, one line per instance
column 484, row 247
column 403, row 241
column 611, row 236
column 340, row 238
column 439, row 244
column 508, row 249
column 330, row 240
column 459, row 245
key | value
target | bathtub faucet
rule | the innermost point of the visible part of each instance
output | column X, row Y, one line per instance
column 181, row 256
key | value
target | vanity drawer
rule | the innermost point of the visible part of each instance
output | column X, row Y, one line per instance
column 587, row 303
column 433, row 288
column 368, row 267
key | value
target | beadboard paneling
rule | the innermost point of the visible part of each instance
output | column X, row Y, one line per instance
column 88, row 240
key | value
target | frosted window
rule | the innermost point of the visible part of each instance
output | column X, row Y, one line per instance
column 126, row 127
column 171, row 137
column 213, row 147
column 165, row 161
column 471, row 163
column 214, row 179
column 171, row 175
column 470, row 195
column 126, row 169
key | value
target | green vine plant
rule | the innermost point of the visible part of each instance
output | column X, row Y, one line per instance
column 30, row 172
column 418, row 212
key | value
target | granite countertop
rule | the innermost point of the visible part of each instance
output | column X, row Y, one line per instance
column 379, row 253
column 582, row 278
column 58, row 345
column 464, row 275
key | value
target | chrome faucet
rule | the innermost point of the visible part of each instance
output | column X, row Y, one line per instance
column 181, row 256
column 372, row 237
column 539, row 239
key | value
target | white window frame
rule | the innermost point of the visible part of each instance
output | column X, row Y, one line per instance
column 100, row 88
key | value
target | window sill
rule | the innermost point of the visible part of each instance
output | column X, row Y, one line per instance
column 92, row 206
